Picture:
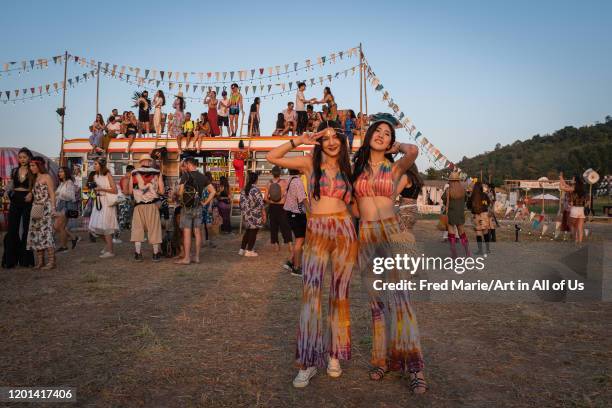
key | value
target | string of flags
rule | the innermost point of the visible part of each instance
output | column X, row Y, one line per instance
column 43, row 90
column 435, row 156
column 261, row 90
column 218, row 77
column 29, row 64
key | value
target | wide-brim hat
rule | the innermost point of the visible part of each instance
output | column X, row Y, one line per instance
column 454, row 176
column 145, row 157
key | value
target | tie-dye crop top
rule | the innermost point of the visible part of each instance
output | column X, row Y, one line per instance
column 335, row 188
column 381, row 185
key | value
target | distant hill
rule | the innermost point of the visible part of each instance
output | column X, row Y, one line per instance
column 571, row 150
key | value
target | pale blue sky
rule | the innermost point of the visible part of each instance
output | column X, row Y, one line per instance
column 469, row 74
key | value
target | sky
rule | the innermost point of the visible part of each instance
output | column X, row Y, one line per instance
column 468, row 74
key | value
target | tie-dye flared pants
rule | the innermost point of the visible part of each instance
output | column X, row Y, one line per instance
column 330, row 238
column 395, row 338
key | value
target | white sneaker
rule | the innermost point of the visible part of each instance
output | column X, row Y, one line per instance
column 302, row 379
column 107, row 255
column 117, row 241
column 103, row 251
column 241, row 252
column 250, row 253
column 333, row 368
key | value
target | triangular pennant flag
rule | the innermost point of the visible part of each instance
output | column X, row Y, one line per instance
column 312, row 81
column 252, row 73
column 8, row 94
column 261, row 71
column 32, row 65
column 77, row 79
column 70, row 81
column 254, row 88
column 224, row 75
column 232, row 75
column 269, row 88
column 170, row 85
column 23, row 65
column 185, row 76
column 169, row 75
column 122, row 70
column 290, row 85
column 187, row 87
column 161, row 74
column 295, row 65
column 341, row 54
column 16, row 93
column 127, row 78
column 32, row 90
column 40, row 89
column 246, row 90
column 55, row 60
column 217, row 89
column 157, row 83
column 47, row 86
column 329, row 77
column 270, row 70
column 332, row 57
column 202, row 88
column 217, row 76
column 261, row 87
column 147, row 71
column 180, row 86
column 25, row 91
column 106, row 65
column 286, row 68
column 208, row 75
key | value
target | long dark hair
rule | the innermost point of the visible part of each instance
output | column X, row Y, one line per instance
column 67, row 174
column 182, row 103
column 252, row 180
column 413, row 175
column 40, row 163
column 224, row 183
column 344, row 162
column 362, row 156
column 579, row 187
column 477, row 195
column 103, row 169
column 25, row 151
column 161, row 93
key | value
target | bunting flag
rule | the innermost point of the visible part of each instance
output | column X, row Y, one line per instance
column 427, row 147
column 29, row 64
column 39, row 90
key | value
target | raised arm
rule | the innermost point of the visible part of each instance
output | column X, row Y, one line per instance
column 303, row 163
column 563, row 185
column 410, row 152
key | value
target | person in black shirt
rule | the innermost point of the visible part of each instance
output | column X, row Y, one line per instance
column 191, row 185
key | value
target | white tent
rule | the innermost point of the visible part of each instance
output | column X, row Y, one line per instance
column 545, row 197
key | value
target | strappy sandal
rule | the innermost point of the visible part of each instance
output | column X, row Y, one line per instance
column 417, row 383
column 377, row 373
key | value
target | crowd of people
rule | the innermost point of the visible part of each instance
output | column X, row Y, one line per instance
column 331, row 211
column 299, row 117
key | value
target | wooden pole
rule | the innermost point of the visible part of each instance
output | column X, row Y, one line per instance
column 98, row 89
column 63, row 117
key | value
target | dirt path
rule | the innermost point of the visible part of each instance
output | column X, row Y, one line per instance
column 222, row 333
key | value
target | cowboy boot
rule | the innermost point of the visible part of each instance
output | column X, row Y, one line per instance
column 452, row 240
column 50, row 259
column 39, row 254
column 464, row 242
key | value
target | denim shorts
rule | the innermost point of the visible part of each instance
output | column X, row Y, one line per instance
column 191, row 217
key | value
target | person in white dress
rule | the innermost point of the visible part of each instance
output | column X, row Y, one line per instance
column 103, row 220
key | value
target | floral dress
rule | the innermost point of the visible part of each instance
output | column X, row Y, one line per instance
column 207, row 214
column 176, row 128
column 251, row 207
column 40, row 234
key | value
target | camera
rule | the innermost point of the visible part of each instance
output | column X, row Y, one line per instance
column 92, row 185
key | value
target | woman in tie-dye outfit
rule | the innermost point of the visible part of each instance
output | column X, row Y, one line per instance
column 330, row 238
column 395, row 343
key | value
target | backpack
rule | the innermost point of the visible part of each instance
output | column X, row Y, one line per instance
column 191, row 195
column 275, row 193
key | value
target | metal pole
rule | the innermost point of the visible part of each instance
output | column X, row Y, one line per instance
column 98, row 90
column 365, row 88
column 63, row 117
column 361, row 90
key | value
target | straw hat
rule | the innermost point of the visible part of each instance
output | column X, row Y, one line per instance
column 145, row 157
column 180, row 94
column 454, row 176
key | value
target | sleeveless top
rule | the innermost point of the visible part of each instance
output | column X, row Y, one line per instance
column 381, row 185
column 234, row 98
column 335, row 188
column 27, row 181
column 412, row 191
